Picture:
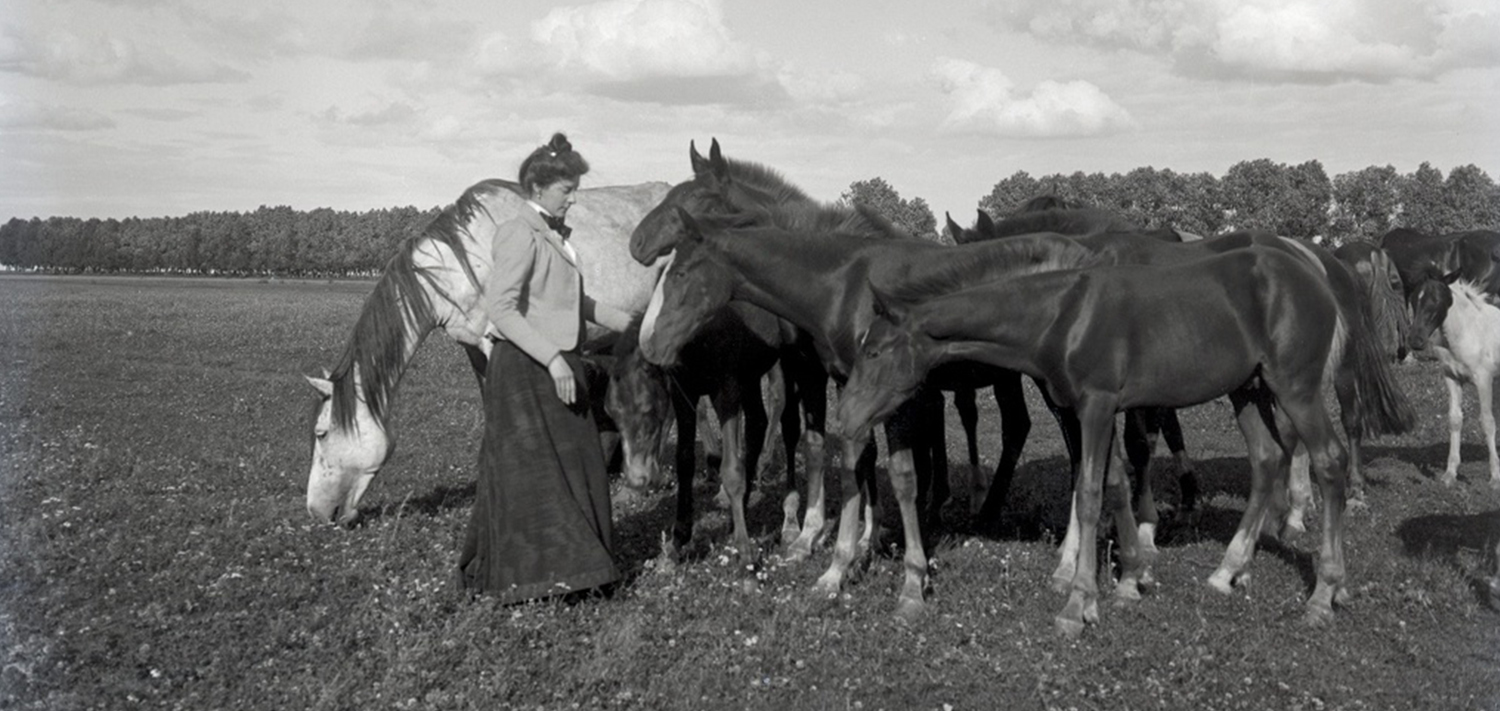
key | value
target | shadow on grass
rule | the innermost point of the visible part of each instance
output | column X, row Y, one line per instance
column 1428, row 460
column 1443, row 537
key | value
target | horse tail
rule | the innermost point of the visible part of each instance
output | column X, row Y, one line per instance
column 1388, row 306
column 1380, row 405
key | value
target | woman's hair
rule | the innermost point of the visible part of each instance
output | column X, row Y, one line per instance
column 550, row 163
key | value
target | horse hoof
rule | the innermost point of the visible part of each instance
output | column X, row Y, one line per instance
column 1356, row 503
column 1318, row 616
column 1222, row 582
column 909, row 610
column 800, row 550
column 1449, row 479
column 1068, row 629
column 1061, row 583
column 1127, row 593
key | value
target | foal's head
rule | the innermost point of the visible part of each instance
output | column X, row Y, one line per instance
column 1429, row 303
column 641, row 406
column 894, row 357
column 719, row 187
column 695, row 285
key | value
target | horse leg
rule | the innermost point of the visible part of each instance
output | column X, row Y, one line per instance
column 773, row 404
column 1015, row 426
column 1345, row 388
column 1298, row 492
column 736, row 462
column 1455, row 427
column 968, row 415
column 812, row 390
column 1096, row 419
column 1187, row 479
column 1484, row 383
column 1134, row 560
column 1138, row 443
column 753, row 407
column 844, row 547
column 1330, row 463
column 686, row 412
column 1269, row 455
column 930, row 458
column 791, row 432
column 904, row 426
column 1067, row 552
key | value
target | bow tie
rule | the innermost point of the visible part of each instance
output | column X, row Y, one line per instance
column 556, row 223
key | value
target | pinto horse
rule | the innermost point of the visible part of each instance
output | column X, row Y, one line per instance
column 1257, row 324
column 1420, row 256
column 434, row 282
column 1468, row 324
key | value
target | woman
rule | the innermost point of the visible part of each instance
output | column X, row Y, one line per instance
column 541, row 520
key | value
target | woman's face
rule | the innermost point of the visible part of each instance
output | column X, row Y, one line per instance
column 557, row 197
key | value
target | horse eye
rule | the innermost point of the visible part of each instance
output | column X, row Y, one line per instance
column 321, row 434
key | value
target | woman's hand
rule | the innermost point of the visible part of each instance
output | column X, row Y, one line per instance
column 562, row 379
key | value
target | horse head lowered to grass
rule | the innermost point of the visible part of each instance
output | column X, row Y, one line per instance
column 435, row 281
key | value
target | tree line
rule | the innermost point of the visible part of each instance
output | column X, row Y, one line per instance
column 1293, row 200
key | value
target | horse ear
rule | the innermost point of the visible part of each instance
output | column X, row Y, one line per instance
column 699, row 163
column 718, row 168
column 886, row 306
column 983, row 223
column 953, row 228
column 323, row 385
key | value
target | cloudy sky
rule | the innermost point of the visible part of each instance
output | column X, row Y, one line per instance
column 118, row 108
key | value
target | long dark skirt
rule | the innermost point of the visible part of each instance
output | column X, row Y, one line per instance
column 541, row 520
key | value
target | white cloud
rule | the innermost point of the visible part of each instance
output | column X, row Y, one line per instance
column 104, row 57
column 1300, row 40
column 635, row 39
column 664, row 51
column 31, row 115
column 983, row 99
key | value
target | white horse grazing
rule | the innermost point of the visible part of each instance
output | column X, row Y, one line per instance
column 1468, row 345
column 434, row 282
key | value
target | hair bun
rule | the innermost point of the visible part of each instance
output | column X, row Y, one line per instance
column 559, row 144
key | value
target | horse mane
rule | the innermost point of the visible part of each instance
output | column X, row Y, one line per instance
column 1474, row 293
column 1008, row 258
column 402, row 298
column 766, row 180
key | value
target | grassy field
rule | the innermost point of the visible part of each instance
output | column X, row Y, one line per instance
column 155, row 553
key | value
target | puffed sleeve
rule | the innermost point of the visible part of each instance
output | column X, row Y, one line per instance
column 514, row 254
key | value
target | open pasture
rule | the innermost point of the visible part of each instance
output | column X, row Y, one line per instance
column 155, row 553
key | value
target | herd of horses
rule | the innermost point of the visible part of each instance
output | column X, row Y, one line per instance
column 745, row 281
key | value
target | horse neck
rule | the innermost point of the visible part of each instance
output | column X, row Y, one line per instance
column 395, row 319
column 1471, row 319
column 1001, row 324
column 801, row 278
